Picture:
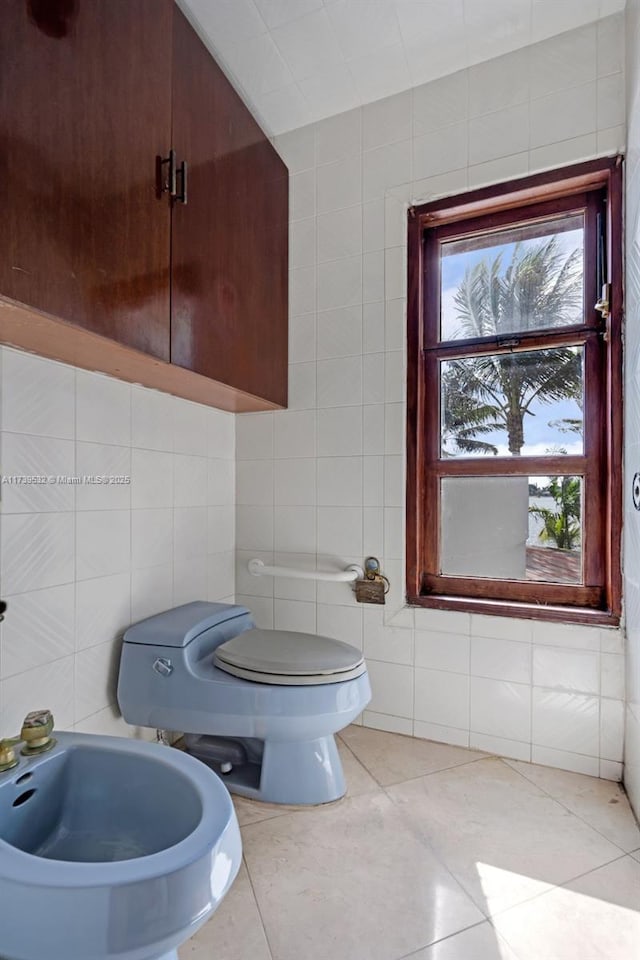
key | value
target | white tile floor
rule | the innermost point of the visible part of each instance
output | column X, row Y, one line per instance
column 436, row 853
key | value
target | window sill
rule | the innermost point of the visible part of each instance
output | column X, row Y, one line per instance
column 526, row 611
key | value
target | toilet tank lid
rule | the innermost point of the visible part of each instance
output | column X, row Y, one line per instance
column 181, row 625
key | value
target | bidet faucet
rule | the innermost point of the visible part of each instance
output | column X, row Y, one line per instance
column 37, row 728
column 8, row 759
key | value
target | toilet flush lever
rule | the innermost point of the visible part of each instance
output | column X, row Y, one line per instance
column 163, row 666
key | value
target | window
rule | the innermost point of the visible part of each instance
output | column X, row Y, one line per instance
column 514, row 398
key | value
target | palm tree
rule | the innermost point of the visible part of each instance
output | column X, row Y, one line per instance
column 540, row 288
column 561, row 526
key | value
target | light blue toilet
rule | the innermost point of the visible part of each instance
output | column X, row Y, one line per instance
column 258, row 706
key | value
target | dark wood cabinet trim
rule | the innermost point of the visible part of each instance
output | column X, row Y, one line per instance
column 55, row 339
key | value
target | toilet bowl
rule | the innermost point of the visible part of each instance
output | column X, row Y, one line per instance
column 260, row 707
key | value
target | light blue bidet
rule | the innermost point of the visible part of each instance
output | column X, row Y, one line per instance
column 111, row 849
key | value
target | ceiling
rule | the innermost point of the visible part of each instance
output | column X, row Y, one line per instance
column 296, row 61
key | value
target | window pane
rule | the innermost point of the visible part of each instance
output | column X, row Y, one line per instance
column 509, row 281
column 527, row 404
column 554, row 543
column 512, row 528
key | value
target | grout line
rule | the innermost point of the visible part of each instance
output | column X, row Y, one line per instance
column 552, row 886
column 387, row 786
column 556, row 886
column 365, row 768
column 467, row 121
column 130, row 600
column 434, row 943
column 562, row 804
column 316, row 511
column 255, row 899
column 75, row 551
column 432, row 773
column 362, row 354
column 362, row 762
column 531, row 650
column 425, row 842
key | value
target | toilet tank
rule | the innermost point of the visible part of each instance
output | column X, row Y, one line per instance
column 168, row 643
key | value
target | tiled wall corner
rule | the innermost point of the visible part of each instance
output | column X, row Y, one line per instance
column 81, row 562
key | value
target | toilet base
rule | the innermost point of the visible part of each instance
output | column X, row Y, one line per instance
column 289, row 771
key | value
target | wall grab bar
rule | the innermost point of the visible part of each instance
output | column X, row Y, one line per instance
column 257, row 568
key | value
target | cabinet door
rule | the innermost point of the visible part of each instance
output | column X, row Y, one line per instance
column 230, row 242
column 85, row 107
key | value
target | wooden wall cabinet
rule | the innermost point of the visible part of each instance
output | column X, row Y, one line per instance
column 229, row 243
column 98, row 266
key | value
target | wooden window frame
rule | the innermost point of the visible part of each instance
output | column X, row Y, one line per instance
column 592, row 185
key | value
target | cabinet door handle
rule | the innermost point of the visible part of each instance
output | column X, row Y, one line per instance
column 182, row 173
column 170, row 184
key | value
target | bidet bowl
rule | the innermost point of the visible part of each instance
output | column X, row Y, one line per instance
column 111, row 849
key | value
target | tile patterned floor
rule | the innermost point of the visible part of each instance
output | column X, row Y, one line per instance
column 436, row 853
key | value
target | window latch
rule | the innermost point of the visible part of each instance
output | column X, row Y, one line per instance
column 603, row 305
column 508, row 341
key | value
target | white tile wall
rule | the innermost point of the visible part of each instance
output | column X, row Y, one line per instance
column 499, row 708
column 524, row 689
column 632, row 411
column 302, row 60
column 566, row 721
column 442, row 698
column 566, row 669
column 80, row 563
column 500, row 659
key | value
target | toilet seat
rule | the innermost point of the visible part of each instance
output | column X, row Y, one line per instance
column 289, row 658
